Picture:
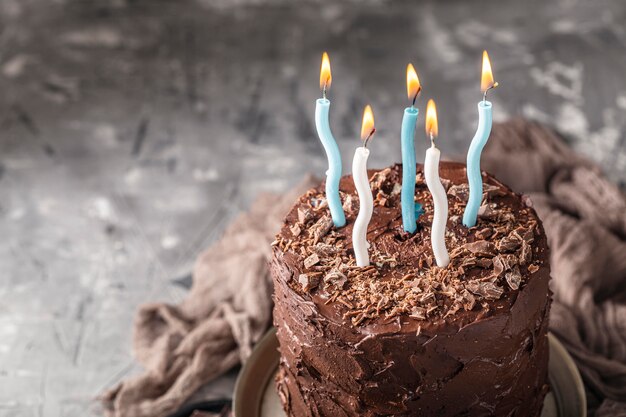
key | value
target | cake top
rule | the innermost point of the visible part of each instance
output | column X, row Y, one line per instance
column 489, row 262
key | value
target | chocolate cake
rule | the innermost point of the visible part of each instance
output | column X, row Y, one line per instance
column 404, row 337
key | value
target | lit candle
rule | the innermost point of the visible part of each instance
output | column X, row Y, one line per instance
column 333, row 175
column 440, row 199
column 362, row 185
column 474, row 177
column 410, row 208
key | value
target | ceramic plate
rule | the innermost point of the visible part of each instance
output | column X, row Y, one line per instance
column 255, row 394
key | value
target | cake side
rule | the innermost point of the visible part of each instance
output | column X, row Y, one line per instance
column 403, row 336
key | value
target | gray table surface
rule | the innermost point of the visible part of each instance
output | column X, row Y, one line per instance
column 131, row 132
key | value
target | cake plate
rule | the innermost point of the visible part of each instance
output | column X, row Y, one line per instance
column 255, row 392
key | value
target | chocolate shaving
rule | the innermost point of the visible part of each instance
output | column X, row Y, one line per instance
column 498, row 266
column 526, row 254
column 484, row 263
column 308, row 282
column 492, row 191
column 487, row 290
column 510, row 243
column 452, row 310
column 527, row 201
column 313, row 259
column 319, row 202
column 460, row 191
column 526, row 233
column 418, row 313
column 485, row 211
column 324, row 250
column 481, row 248
column 349, row 204
column 456, row 252
column 469, row 301
column 533, row 268
column 335, row 279
column 514, row 278
column 296, row 230
column 379, row 178
column 321, row 228
column 383, row 303
column 484, row 233
column 304, row 215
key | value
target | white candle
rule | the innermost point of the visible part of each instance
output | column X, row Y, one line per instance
column 362, row 185
column 366, row 206
column 440, row 198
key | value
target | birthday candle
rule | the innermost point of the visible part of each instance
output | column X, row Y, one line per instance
column 407, row 137
column 440, row 198
column 474, row 177
column 333, row 174
column 362, row 185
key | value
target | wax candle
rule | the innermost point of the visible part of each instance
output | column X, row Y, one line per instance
column 474, row 177
column 333, row 174
column 362, row 185
column 410, row 208
column 440, row 198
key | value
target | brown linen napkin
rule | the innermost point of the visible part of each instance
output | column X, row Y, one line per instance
column 229, row 306
column 226, row 312
column 584, row 216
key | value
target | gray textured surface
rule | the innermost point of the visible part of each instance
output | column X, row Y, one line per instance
column 132, row 131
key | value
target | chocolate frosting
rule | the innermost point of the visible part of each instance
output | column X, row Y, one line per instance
column 404, row 337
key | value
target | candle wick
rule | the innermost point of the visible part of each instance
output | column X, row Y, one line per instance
column 324, row 92
column 494, row 85
column 367, row 139
column 417, row 93
column 432, row 140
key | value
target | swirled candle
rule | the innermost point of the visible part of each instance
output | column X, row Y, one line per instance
column 333, row 174
column 407, row 137
column 363, row 189
column 474, row 175
column 440, row 198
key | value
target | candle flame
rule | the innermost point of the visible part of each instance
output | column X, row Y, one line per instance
column 413, row 86
column 432, row 127
column 326, row 77
column 367, row 128
column 486, row 79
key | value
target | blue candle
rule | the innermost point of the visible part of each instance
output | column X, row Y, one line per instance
column 474, row 177
column 408, row 169
column 410, row 209
column 333, row 175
